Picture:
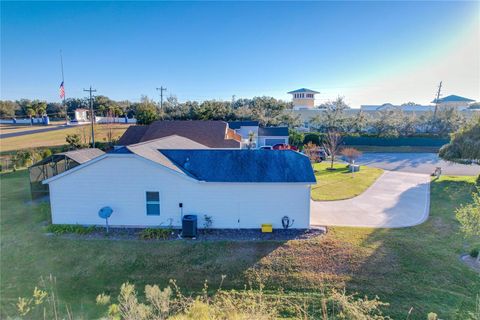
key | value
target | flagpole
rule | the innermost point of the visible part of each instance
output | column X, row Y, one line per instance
column 63, row 81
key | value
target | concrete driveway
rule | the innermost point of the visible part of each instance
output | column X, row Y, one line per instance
column 416, row 162
column 396, row 199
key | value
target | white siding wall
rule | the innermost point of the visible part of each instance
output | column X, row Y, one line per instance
column 120, row 181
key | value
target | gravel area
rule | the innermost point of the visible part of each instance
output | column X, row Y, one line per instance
column 203, row 235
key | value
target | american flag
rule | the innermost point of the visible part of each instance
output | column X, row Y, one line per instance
column 62, row 91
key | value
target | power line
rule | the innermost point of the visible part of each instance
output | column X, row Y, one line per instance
column 92, row 114
column 161, row 89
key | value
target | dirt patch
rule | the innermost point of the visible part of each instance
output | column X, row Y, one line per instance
column 471, row 262
column 309, row 264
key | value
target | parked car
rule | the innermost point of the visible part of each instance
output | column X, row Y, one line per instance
column 284, row 146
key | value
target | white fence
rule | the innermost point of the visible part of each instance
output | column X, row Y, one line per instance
column 115, row 120
column 36, row 121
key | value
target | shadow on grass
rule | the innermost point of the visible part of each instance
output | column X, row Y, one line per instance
column 418, row 267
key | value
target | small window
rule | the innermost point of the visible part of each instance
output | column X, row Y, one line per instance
column 153, row 203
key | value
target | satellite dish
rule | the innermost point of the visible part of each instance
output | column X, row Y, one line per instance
column 105, row 213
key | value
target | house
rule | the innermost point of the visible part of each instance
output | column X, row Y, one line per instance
column 235, row 188
column 455, row 101
column 262, row 136
column 213, row 134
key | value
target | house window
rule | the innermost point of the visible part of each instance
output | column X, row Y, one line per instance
column 153, row 203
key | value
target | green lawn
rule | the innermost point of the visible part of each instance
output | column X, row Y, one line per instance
column 57, row 137
column 340, row 183
column 412, row 267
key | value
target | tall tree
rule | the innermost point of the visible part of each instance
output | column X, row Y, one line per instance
column 146, row 111
column 334, row 115
column 331, row 143
column 464, row 144
column 8, row 109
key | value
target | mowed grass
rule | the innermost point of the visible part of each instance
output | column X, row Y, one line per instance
column 57, row 137
column 415, row 267
column 341, row 183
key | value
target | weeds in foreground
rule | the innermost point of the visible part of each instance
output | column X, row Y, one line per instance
column 170, row 303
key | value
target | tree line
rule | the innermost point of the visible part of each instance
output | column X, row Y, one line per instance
column 391, row 122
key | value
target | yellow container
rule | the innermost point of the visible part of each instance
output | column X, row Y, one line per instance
column 266, row 228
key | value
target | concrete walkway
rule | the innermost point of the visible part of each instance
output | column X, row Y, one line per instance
column 396, row 199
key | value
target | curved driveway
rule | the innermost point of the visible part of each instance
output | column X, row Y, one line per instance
column 396, row 199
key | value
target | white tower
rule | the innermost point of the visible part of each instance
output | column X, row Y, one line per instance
column 303, row 98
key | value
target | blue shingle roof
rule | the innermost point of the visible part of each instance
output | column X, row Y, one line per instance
column 238, row 124
column 303, row 90
column 273, row 131
column 281, row 166
column 452, row 98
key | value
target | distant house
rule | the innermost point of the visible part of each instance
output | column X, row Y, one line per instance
column 454, row 101
column 262, row 136
column 149, row 186
column 213, row 134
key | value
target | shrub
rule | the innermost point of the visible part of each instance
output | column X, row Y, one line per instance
column 155, row 233
column 474, row 252
column 45, row 153
column 477, row 182
column 351, row 154
column 70, row 228
column 314, row 138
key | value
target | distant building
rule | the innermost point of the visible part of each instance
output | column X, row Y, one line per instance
column 81, row 115
column 405, row 108
column 454, row 101
column 303, row 98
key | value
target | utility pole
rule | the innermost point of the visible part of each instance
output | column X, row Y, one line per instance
column 439, row 93
column 161, row 89
column 92, row 115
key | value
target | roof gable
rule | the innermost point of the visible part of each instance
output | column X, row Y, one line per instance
column 303, row 90
column 254, row 166
column 132, row 135
column 452, row 98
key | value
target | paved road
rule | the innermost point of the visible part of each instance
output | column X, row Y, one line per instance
column 416, row 162
column 396, row 199
column 24, row 133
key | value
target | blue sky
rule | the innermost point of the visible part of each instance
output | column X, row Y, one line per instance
column 369, row 52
